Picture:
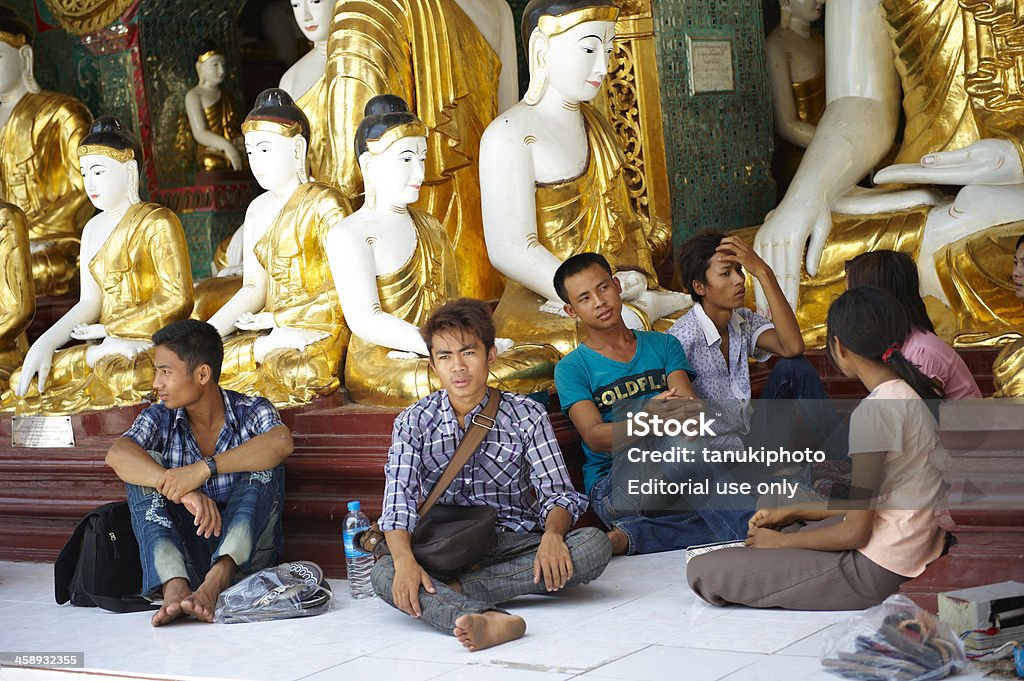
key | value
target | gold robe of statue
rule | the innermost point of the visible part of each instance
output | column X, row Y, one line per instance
column 221, row 119
column 39, row 173
column 17, row 302
column 314, row 104
column 301, row 295
column 430, row 54
column 145, row 282
column 425, row 282
column 1008, row 370
column 592, row 213
column 955, row 64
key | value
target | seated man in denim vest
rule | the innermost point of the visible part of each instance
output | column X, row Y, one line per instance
column 518, row 470
column 204, row 475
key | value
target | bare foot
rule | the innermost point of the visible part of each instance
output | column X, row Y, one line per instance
column 619, row 540
column 174, row 591
column 203, row 602
column 491, row 628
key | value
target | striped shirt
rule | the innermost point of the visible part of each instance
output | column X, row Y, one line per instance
column 168, row 431
column 518, row 469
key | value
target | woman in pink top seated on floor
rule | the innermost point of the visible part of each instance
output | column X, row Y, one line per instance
column 854, row 558
column 896, row 273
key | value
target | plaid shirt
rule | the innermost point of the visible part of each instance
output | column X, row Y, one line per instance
column 168, row 431
column 518, row 469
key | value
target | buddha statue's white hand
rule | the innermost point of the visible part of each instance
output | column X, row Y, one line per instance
column 633, row 284
column 256, row 322
column 230, row 271
column 403, row 355
column 111, row 345
column 553, row 307
column 87, row 332
column 780, row 243
column 987, row 161
column 503, row 345
column 284, row 338
column 37, row 363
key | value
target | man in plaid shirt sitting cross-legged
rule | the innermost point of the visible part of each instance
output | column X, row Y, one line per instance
column 518, row 470
column 204, row 475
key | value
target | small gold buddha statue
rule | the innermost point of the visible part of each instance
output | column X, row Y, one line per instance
column 213, row 114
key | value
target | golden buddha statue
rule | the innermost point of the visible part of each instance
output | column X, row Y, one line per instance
column 1008, row 368
column 17, row 300
column 551, row 176
column 454, row 61
column 40, row 134
column 393, row 265
column 213, row 114
column 286, row 283
column 955, row 63
column 137, row 279
column 796, row 80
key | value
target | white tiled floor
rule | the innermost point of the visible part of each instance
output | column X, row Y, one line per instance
column 638, row 622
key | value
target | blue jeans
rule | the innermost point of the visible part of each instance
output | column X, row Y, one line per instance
column 664, row 532
column 169, row 546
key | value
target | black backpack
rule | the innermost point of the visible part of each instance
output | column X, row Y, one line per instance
column 100, row 566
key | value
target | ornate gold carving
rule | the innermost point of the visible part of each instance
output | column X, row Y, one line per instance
column 555, row 25
column 119, row 155
column 85, row 16
column 995, row 63
column 392, row 135
column 14, row 40
column 278, row 126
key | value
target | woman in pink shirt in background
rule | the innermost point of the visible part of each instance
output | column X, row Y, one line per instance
column 896, row 274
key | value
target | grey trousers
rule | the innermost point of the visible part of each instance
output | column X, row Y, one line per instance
column 504, row 573
column 795, row 579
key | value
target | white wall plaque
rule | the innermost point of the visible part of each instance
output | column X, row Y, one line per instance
column 710, row 61
column 42, row 431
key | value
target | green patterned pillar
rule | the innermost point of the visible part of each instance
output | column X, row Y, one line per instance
column 718, row 129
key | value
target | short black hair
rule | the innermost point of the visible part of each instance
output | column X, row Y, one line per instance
column 695, row 258
column 575, row 265
column 465, row 315
column 195, row 343
column 1020, row 241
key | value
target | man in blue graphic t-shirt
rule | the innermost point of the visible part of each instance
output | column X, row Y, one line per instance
column 616, row 369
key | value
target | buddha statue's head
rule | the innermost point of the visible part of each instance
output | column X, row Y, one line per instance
column 391, row 146
column 313, row 18
column 808, row 11
column 210, row 63
column 109, row 157
column 276, row 139
column 16, row 58
column 569, row 43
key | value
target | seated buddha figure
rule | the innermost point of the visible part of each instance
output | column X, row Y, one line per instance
column 17, row 300
column 551, row 177
column 956, row 63
column 796, row 80
column 213, row 114
column 136, row 279
column 454, row 62
column 40, row 133
column 304, row 80
column 394, row 265
column 284, row 334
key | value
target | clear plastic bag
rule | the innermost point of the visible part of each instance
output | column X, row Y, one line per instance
column 894, row 641
column 296, row 589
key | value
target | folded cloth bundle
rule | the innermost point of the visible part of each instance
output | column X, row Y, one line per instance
column 296, row 589
column 899, row 643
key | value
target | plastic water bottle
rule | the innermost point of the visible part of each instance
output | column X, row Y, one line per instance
column 358, row 561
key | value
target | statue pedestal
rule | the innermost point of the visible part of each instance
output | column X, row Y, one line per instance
column 210, row 210
column 985, row 440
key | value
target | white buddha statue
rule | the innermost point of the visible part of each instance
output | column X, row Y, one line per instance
column 284, row 332
column 552, row 183
column 394, row 265
column 212, row 113
column 314, row 20
column 136, row 279
column 795, row 57
column 955, row 67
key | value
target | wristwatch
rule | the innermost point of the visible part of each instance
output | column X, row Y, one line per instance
column 211, row 464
